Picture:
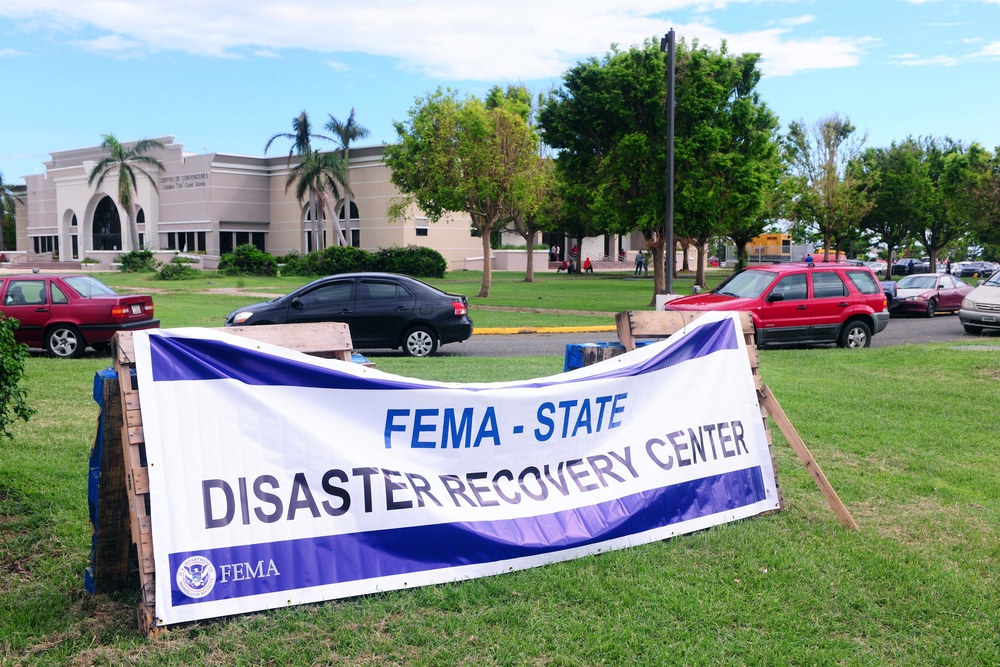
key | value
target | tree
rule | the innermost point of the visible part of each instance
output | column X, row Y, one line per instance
column 607, row 123
column 900, row 191
column 953, row 170
column 345, row 133
column 540, row 210
column 728, row 157
column 462, row 155
column 319, row 178
column 127, row 161
column 8, row 205
column 829, row 196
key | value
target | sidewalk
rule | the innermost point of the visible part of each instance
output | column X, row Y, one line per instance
column 534, row 330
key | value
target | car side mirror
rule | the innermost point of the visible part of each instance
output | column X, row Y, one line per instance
column 297, row 303
column 775, row 296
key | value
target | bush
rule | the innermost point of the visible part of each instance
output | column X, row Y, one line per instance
column 13, row 398
column 138, row 261
column 416, row 261
column 413, row 261
column 179, row 268
column 248, row 260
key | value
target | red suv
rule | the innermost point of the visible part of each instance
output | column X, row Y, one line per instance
column 801, row 303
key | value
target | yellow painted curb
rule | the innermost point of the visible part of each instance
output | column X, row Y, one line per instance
column 530, row 330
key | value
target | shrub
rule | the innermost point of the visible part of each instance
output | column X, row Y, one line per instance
column 248, row 260
column 13, row 398
column 90, row 260
column 416, row 261
column 179, row 268
column 332, row 260
column 138, row 261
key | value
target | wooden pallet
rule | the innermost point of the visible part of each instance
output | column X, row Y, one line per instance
column 331, row 340
column 636, row 324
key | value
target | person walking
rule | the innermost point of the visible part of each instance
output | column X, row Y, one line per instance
column 638, row 263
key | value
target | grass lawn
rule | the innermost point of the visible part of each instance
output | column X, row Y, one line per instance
column 916, row 585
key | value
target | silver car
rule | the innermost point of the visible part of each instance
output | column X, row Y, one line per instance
column 981, row 307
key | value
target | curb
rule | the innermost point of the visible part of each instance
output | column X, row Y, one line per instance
column 533, row 330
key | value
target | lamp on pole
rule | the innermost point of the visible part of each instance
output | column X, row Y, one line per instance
column 667, row 44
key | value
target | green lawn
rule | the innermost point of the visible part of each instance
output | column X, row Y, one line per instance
column 906, row 435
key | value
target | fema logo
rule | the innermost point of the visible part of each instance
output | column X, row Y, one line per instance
column 196, row 577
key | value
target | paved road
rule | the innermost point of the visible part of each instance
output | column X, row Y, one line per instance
column 901, row 330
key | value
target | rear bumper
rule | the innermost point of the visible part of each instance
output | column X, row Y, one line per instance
column 881, row 321
column 103, row 333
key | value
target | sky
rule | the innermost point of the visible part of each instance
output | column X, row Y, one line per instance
column 223, row 76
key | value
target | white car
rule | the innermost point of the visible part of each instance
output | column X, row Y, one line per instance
column 981, row 307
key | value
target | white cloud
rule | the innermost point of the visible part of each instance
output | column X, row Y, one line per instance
column 338, row 66
column 480, row 40
column 11, row 53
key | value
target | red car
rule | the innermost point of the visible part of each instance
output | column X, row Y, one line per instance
column 65, row 313
column 929, row 293
column 801, row 303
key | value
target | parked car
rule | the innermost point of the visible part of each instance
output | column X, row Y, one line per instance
column 981, row 307
column 801, row 303
column 382, row 310
column 878, row 266
column 64, row 314
column 929, row 293
column 976, row 270
column 910, row 265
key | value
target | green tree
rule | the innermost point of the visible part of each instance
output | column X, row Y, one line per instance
column 462, row 155
column 127, row 162
column 954, row 171
column 8, row 214
column 830, row 198
column 13, row 397
column 986, row 200
column 728, row 158
column 901, row 192
column 608, row 123
column 346, row 132
column 319, row 178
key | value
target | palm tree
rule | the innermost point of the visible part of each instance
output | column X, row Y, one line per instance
column 126, row 161
column 315, row 174
column 7, row 206
column 346, row 132
column 320, row 177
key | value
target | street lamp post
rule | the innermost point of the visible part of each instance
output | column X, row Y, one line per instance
column 667, row 44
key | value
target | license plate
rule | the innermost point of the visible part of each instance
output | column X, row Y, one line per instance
column 136, row 309
column 990, row 318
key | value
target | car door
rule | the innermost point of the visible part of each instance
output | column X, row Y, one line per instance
column 949, row 293
column 26, row 300
column 831, row 297
column 382, row 311
column 784, row 315
column 331, row 301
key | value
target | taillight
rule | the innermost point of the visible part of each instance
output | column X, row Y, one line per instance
column 149, row 308
column 460, row 308
column 119, row 312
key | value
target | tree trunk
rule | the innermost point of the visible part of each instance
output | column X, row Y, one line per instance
column 659, row 268
column 485, row 231
column 133, row 229
column 529, row 272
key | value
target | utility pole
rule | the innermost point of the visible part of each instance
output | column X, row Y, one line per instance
column 667, row 44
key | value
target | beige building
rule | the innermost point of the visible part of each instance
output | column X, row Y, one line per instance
column 205, row 204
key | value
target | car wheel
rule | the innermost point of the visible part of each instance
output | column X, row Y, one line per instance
column 974, row 330
column 65, row 341
column 931, row 308
column 420, row 342
column 855, row 334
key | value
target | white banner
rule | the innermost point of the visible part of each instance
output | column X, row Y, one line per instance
column 278, row 478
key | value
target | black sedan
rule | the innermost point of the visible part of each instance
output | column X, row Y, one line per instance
column 382, row 310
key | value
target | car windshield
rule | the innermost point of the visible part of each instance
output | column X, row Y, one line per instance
column 918, row 282
column 994, row 281
column 87, row 286
column 746, row 284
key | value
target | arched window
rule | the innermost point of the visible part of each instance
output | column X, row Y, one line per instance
column 354, row 211
column 140, row 217
column 107, row 226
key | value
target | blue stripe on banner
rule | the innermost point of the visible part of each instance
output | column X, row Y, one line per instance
column 175, row 359
column 241, row 571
